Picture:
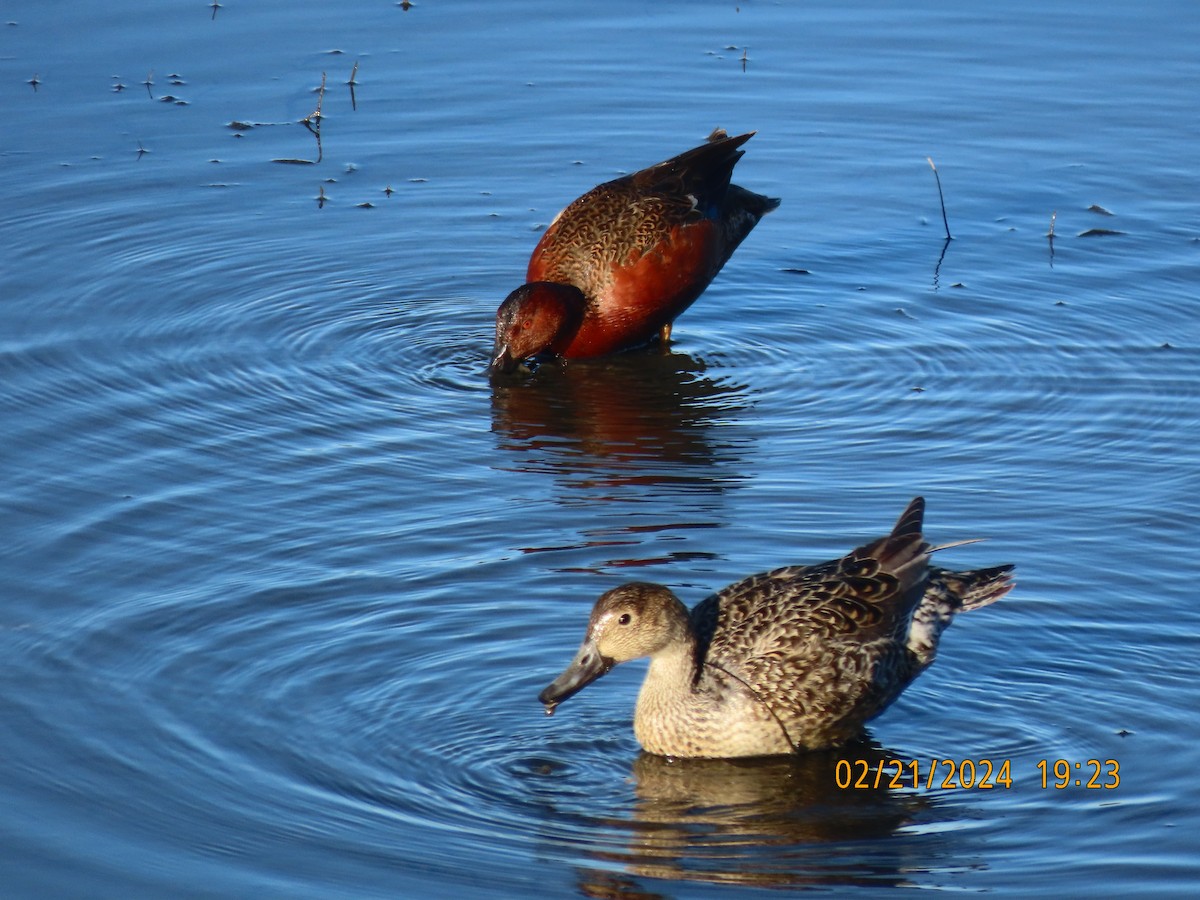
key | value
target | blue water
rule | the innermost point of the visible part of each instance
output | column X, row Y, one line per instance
column 281, row 572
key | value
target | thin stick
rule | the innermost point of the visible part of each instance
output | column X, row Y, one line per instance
column 320, row 100
column 1050, row 236
column 941, row 198
column 313, row 120
column 352, row 82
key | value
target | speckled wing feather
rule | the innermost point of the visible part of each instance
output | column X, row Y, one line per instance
column 831, row 653
column 621, row 220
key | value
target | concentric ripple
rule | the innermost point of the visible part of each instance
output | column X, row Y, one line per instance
column 308, row 716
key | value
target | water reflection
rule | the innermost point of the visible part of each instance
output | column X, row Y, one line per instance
column 765, row 822
column 637, row 418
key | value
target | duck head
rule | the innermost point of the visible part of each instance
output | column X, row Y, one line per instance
column 536, row 318
column 633, row 620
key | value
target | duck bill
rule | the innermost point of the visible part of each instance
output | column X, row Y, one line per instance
column 502, row 359
column 586, row 667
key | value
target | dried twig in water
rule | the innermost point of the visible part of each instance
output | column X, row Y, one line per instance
column 353, row 82
column 313, row 120
column 941, row 198
column 1050, row 236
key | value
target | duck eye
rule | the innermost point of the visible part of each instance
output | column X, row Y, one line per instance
column 625, row 619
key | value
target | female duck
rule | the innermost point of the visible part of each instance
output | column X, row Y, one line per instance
column 617, row 266
column 799, row 658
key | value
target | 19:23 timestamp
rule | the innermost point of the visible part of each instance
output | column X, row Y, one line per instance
column 1091, row 773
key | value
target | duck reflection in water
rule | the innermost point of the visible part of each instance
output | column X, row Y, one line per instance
column 638, row 418
column 768, row 821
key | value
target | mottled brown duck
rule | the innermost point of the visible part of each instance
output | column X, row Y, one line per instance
column 799, row 658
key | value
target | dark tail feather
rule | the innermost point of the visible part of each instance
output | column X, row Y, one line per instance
column 755, row 204
column 749, row 203
column 708, row 166
column 904, row 553
column 912, row 519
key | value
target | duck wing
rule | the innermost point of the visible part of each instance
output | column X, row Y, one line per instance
column 822, row 646
column 617, row 223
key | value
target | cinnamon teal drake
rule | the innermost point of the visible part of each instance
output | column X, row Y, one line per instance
column 617, row 266
column 799, row 658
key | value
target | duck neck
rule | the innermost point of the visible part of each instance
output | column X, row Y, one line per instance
column 670, row 680
column 564, row 306
column 675, row 664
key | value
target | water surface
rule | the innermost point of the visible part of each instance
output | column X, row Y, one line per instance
column 281, row 572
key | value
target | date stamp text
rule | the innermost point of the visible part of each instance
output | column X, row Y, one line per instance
column 974, row 774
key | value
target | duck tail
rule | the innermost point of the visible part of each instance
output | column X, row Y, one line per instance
column 977, row 587
column 912, row 520
column 946, row 595
column 748, row 203
column 904, row 553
